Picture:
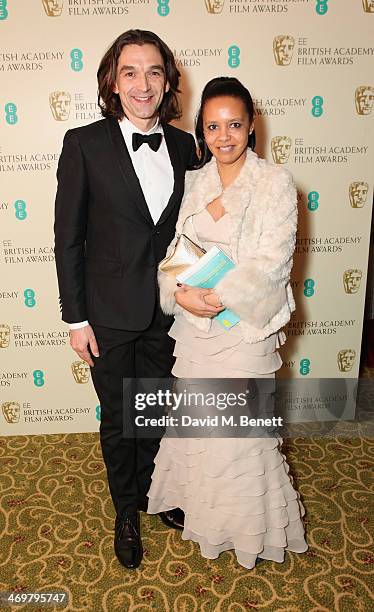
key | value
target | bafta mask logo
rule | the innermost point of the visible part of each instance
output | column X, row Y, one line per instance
column 368, row 6
column 11, row 412
column 283, row 46
column 214, row 6
column 59, row 101
column 352, row 280
column 4, row 335
column 346, row 358
column 53, row 8
column 358, row 192
column 281, row 149
column 364, row 98
column 81, row 372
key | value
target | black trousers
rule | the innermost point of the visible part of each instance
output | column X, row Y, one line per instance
column 128, row 354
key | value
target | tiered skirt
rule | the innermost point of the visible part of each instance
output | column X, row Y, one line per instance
column 236, row 493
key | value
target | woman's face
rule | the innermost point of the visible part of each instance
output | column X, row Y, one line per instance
column 226, row 127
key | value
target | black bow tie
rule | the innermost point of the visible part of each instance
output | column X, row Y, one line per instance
column 152, row 140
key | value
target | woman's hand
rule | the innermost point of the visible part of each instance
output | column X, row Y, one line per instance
column 213, row 300
column 194, row 300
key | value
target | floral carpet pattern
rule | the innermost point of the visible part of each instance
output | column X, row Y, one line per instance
column 56, row 525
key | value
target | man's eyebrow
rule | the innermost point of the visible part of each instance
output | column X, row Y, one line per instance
column 125, row 67
column 155, row 67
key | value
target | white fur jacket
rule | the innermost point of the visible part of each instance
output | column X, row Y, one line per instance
column 262, row 203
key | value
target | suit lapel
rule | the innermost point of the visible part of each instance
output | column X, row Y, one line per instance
column 176, row 162
column 127, row 169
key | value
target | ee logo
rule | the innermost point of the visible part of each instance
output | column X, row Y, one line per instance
column 20, row 206
column 163, row 8
column 234, row 56
column 11, row 113
column 309, row 287
column 38, row 378
column 76, row 60
column 98, row 413
column 3, row 10
column 313, row 200
column 29, row 296
column 304, row 367
column 317, row 106
column 322, row 7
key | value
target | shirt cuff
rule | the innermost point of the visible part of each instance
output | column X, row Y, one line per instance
column 78, row 325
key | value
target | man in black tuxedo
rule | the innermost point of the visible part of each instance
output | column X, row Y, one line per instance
column 120, row 185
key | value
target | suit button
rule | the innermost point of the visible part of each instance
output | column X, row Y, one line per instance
column 157, row 233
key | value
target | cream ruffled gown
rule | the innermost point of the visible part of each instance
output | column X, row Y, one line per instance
column 236, row 493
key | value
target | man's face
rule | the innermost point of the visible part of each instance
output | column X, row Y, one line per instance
column 358, row 193
column 346, row 359
column 364, row 100
column 352, row 280
column 53, row 8
column 60, row 105
column 11, row 412
column 368, row 6
column 4, row 336
column 141, row 83
column 281, row 147
column 283, row 50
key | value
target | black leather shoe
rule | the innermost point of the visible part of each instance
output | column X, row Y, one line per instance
column 127, row 542
column 173, row 518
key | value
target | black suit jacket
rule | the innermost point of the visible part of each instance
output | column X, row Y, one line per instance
column 106, row 245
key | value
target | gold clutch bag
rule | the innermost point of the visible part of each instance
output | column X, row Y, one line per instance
column 184, row 255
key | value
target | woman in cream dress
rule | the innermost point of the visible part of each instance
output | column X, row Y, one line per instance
column 236, row 493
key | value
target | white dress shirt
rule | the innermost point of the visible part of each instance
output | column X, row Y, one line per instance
column 154, row 171
column 153, row 168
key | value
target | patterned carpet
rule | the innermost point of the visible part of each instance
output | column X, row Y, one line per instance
column 56, row 522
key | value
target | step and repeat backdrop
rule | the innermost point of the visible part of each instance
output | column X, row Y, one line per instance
column 309, row 67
